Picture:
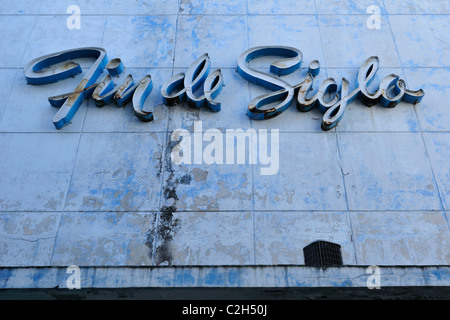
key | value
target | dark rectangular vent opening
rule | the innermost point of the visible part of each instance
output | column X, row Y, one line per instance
column 323, row 253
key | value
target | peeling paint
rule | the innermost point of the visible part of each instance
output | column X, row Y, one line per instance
column 199, row 175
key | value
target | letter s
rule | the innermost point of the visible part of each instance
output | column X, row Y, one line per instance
column 283, row 90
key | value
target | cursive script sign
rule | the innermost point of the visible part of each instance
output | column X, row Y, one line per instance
column 59, row 66
column 118, row 86
column 391, row 91
column 182, row 87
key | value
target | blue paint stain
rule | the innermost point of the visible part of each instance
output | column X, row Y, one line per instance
column 184, row 277
column 38, row 275
column 214, row 277
column 5, row 274
column 344, row 284
column 440, row 275
column 234, row 278
column 412, row 125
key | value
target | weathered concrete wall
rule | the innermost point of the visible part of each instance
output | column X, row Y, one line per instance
column 219, row 238
column 224, row 277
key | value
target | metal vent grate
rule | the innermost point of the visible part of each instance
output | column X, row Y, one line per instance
column 323, row 253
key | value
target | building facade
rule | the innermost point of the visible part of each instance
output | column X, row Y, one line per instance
column 105, row 203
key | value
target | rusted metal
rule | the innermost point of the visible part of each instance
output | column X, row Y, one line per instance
column 126, row 90
column 314, row 68
column 185, row 87
column 391, row 84
column 195, row 78
column 284, row 92
column 58, row 101
column 331, row 99
column 334, row 113
column 173, row 91
column 327, row 89
column 398, row 85
column 305, row 104
column 143, row 89
column 59, row 66
column 106, row 90
column 199, row 88
column 212, row 87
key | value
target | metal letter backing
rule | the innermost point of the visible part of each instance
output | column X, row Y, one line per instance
column 391, row 91
column 183, row 87
column 199, row 88
column 59, row 66
column 107, row 92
